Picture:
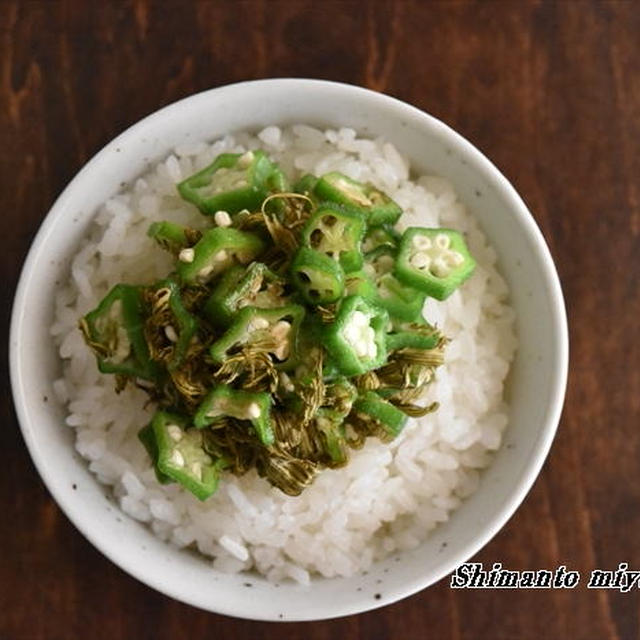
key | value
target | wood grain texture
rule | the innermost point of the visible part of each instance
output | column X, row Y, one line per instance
column 549, row 91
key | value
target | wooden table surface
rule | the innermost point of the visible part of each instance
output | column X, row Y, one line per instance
column 549, row 90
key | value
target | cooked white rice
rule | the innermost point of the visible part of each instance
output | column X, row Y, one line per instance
column 390, row 496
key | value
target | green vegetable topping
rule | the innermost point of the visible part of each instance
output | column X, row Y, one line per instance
column 114, row 331
column 182, row 457
column 288, row 331
column 223, row 400
column 337, row 233
column 356, row 338
column 215, row 252
column 233, row 182
column 376, row 205
column 388, row 420
column 238, row 287
column 318, row 278
column 435, row 261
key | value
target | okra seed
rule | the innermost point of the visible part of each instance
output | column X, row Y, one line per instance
column 443, row 241
column 440, row 268
column 186, row 255
column 286, row 383
column 221, row 256
column 281, row 330
column 222, row 219
column 385, row 263
column 359, row 319
column 253, row 410
column 455, row 258
column 205, row 271
column 171, row 334
column 177, row 459
column 196, row 469
column 370, row 270
column 259, row 323
column 420, row 260
column 421, row 242
column 245, row 159
column 175, row 432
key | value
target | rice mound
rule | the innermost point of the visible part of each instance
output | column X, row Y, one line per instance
column 390, row 496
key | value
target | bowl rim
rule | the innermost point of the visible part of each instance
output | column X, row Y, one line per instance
column 530, row 470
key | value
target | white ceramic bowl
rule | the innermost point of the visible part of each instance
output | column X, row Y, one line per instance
column 537, row 381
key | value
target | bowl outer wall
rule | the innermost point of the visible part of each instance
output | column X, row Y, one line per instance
column 537, row 381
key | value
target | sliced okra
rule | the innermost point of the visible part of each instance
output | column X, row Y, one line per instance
column 359, row 283
column 319, row 278
column 306, row 184
column 216, row 251
column 378, row 207
column 340, row 395
column 170, row 327
column 382, row 236
column 147, row 437
column 233, row 182
column 332, row 439
column 401, row 301
column 275, row 331
column 181, row 455
column 173, row 237
column 423, row 338
column 356, row 338
column 435, row 261
column 337, row 233
column 385, row 420
column 114, row 331
column 240, row 287
column 223, row 400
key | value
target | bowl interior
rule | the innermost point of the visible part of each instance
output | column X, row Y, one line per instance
column 536, row 385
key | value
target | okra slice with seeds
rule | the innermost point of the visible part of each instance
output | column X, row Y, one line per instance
column 319, row 279
column 401, row 301
column 382, row 236
column 173, row 237
column 240, row 287
column 423, row 339
column 331, row 432
column 356, row 338
column 359, row 283
column 181, row 455
column 305, row 184
column 435, row 261
column 216, row 251
column 337, row 233
column 114, row 331
column 385, row 420
column 378, row 207
column 147, row 437
column 340, row 395
column 223, row 400
column 170, row 328
column 233, row 182
column 272, row 331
